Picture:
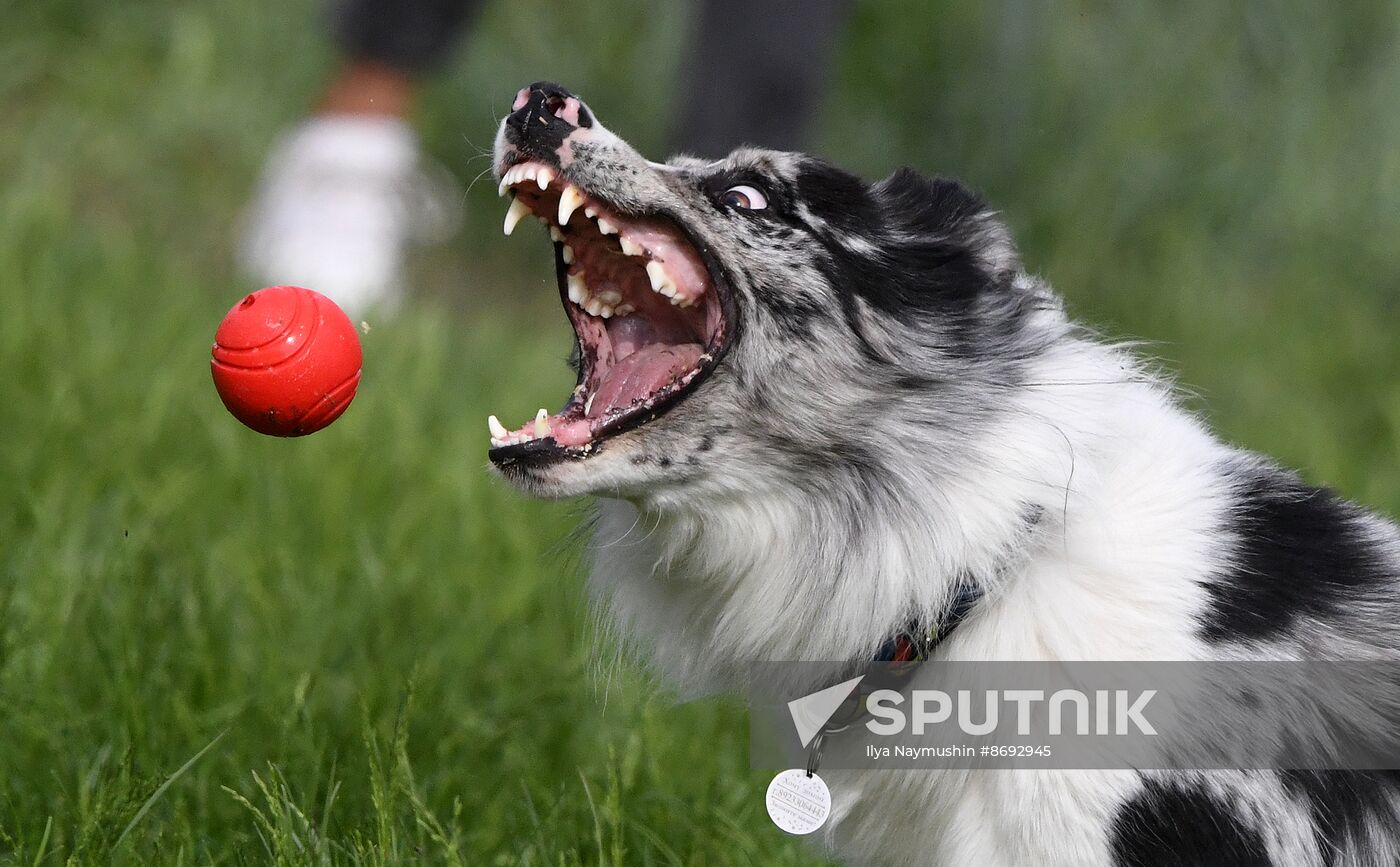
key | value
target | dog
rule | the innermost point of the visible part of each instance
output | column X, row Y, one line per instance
column 811, row 407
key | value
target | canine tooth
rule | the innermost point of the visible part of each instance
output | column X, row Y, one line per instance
column 568, row 254
column 505, row 183
column 517, row 212
column 544, row 176
column 569, row 201
column 541, row 423
column 555, row 234
column 588, row 404
column 657, row 275
column 660, row 281
column 630, row 247
column 578, row 289
column 605, row 227
column 498, row 430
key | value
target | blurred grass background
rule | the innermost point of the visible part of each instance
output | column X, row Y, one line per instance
column 383, row 651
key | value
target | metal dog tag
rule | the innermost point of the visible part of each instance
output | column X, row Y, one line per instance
column 798, row 801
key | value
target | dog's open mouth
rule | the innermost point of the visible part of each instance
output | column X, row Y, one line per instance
column 647, row 311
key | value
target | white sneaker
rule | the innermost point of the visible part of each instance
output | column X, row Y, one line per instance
column 339, row 201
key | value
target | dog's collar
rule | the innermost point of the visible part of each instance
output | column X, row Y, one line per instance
column 914, row 644
column 918, row 640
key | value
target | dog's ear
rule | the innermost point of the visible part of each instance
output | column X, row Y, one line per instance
column 910, row 243
column 931, row 245
column 946, row 210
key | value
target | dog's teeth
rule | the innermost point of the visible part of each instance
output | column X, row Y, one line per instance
column 555, row 234
column 630, row 247
column 598, row 307
column 517, row 212
column 660, row 281
column 504, row 185
column 610, row 297
column 605, row 227
column 569, row 201
column 588, row 404
column 498, row 430
column 542, row 423
column 578, row 289
column 625, row 310
column 544, row 176
column 568, row 254
column 590, row 212
column 657, row 275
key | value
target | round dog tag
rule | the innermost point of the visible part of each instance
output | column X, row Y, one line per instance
column 798, row 802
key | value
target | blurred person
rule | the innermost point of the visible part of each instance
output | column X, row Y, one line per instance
column 345, row 192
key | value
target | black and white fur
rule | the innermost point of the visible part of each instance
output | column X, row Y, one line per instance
column 904, row 407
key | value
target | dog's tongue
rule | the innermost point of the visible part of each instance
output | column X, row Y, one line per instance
column 641, row 374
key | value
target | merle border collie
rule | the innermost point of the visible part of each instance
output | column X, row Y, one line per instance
column 811, row 407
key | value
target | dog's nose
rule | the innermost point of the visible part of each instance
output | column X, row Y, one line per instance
column 542, row 116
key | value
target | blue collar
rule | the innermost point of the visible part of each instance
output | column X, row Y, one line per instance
column 917, row 641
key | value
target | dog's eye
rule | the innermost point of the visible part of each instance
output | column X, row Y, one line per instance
column 743, row 196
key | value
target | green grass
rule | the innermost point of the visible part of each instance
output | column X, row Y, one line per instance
column 358, row 647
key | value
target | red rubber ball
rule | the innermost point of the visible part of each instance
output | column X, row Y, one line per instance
column 286, row 361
